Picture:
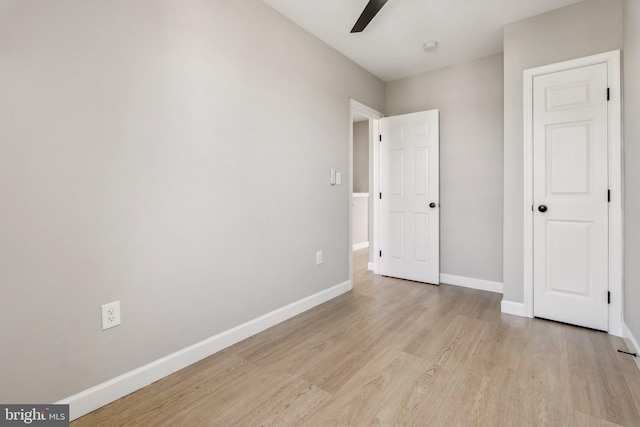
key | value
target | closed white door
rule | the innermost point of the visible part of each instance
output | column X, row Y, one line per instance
column 570, row 190
column 409, row 205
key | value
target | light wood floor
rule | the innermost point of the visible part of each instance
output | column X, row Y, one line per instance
column 393, row 352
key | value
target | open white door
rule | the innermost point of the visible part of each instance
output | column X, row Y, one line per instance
column 409, row 205
column 570, row 187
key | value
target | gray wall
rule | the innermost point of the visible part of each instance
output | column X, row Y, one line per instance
column 469, row 97
column 632, row 165
column 361, row 157
column 171, row 155
column 586, row 28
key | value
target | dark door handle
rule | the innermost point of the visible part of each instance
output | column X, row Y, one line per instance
column 542, row 208
column 432, row 205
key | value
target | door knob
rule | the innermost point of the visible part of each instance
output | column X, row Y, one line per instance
column 542, row 208
column 432, row 205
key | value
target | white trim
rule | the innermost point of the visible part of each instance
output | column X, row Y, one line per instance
column 468, row 282
column 374, row 116
column 374, row 151
column 370, row 266
column 109, row 391
column 356, row 195
column 632, row 343
column 513, row 308
column 367, row 111
column 612, row 59
column 358, row 246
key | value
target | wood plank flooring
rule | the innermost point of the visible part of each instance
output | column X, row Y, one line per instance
column 393, row 352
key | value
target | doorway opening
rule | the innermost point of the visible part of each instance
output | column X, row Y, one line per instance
column 363, row 162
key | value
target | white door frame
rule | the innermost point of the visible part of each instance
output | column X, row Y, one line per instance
column 374, row 185
column 612, row 59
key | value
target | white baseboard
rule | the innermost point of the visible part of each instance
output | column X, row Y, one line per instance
column 109, row 391
column 358, row 246
column 514, row 308
column 632, row 343
column 370, row 266
column 467, row 282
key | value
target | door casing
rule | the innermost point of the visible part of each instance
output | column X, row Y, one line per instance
column 612, row 59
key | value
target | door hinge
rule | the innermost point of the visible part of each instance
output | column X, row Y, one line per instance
column 380, row 196
column 608, row 297
column 609, row 196
column 608, row 94
column 380, row 254
column 380, row 138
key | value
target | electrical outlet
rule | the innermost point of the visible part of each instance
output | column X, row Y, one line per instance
column 110, row 315
column 318, row 257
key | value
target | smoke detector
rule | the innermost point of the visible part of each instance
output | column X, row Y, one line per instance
column 430, row 46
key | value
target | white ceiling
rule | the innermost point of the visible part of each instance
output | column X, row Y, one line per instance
column 391, row 46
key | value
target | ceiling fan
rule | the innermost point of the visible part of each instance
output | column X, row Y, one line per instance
column 370, row 11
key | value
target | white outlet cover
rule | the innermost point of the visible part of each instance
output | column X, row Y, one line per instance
column 110, row 315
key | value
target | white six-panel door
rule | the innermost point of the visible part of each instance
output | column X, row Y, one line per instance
column 570, row 185
column 409, row 208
